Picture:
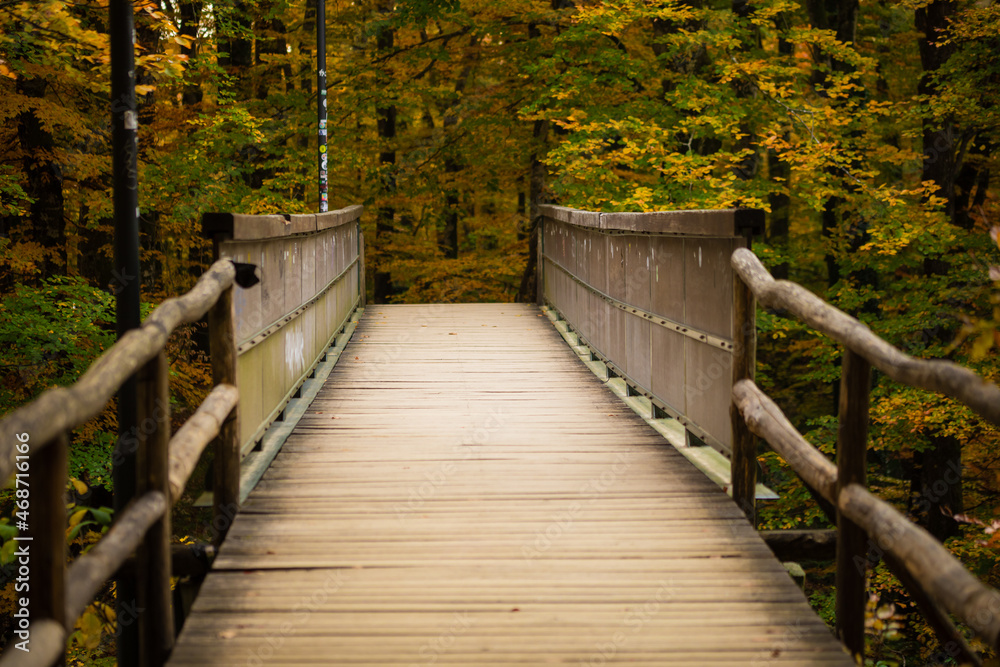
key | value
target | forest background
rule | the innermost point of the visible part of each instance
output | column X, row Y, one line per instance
column 866, row 130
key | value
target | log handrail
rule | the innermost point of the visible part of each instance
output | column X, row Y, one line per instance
column 65, row 408
column 89, row 572
column 932, row 574
column 58, row 595
column 944, row 377
column 197, row 432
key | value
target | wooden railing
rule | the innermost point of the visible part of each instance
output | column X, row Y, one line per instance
column 263, row 343
column 651, row 294
column 936, row 580
column 312, row 280
column 33, row 446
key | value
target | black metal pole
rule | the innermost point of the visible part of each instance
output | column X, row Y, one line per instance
column 125, row 282
column 324, row 201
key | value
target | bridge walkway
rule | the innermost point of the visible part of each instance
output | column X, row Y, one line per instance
column 463, row 491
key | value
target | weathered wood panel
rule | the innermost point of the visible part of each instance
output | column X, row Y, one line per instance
column 463, row 491
column 708, row 285
column 668, row 378
column 250, row 367
column 636, row 278
column 708, row 389
column 309, row 285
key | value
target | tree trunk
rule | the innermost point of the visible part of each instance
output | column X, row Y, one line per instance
column 841, row 17
column 940, row 141
column 190, row 23
column 453, row 165
column 780, row 173
column 271, row 41
column 44, row 180
column 536, row 190
column 747, row 166
column 936, row 487
column 235, row 42
column 385, row 114
column 523, row 222
column 936, row 499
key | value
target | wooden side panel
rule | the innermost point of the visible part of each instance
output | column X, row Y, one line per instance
column 667, row 279
column 687, row 281
column 638, row 354
column 603, row 325
column 273, row 371
column 309, row 245
column 668, row 378
column 709, row 285
column 616, row 252
column 272, row 282
column 350, row 244
column 637, row 271
column 343, row 302
column 309, row 341
column 322, row 320
column 246, row 302
column 637, row 293
column 340, row 250
column 251, row 386
column 322, row 265
column 293, row 274
column 599, row 280
column 708, row 388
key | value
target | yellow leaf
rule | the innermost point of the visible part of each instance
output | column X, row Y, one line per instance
column 77, row 517
column 90, row 631
column 80, row 487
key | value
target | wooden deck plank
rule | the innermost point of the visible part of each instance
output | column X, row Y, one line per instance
column 463, row 491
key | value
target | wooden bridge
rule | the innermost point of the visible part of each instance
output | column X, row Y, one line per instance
column 483, row 484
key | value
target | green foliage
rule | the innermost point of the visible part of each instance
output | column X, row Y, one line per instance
column 51, row 334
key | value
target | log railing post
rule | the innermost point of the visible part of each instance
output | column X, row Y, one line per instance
column 744, row 465
column 46, row 544
column 222, row 347
column 852, row 447
column 156, row 622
